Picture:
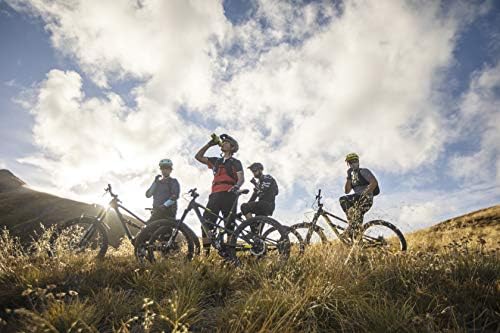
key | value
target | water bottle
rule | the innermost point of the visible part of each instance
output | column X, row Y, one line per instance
column 216, row 139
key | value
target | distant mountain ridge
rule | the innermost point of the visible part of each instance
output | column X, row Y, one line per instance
column 8, row 181
column 23, row 210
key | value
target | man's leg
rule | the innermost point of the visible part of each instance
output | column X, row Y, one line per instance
column 211, row 217
column 227, row 201
column 246, row 209
column 346, row 202
column 364, row 204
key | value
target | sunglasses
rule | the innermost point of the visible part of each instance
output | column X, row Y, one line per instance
column 165, row 168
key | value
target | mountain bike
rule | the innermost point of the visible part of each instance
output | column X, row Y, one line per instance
column 372, row 234
column 157, row 240
column 89, row 234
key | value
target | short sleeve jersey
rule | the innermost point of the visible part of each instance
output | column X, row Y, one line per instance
column 224, row 173
column 164, row 190
column 359, row 184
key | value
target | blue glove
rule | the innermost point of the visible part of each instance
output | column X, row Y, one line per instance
column 168, row 203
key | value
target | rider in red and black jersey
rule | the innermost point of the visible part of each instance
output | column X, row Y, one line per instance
column 228, row 178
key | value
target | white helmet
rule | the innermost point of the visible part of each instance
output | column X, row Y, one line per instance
column 166, row 162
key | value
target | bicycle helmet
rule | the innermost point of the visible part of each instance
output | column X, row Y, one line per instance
column 352, row 157
column 166, row 162
column 256, row 166
column 231, row 140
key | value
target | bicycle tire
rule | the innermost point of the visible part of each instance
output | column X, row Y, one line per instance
column 295, row 233
column 194, row 238
column 304, row 228
column 372, row 239
column 81, row 225
column 244, row 238
column 150, row 243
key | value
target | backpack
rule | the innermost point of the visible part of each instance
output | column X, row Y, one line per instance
column 376, row 191
column 230, row 169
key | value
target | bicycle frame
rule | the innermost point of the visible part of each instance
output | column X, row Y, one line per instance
column 193, row 205
column 326, row 215
column 321, row 212
column 116, row 206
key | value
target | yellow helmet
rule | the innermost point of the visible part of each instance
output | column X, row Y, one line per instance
column 351, row 157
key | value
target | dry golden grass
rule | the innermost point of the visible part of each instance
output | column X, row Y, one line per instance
column 481, row 227
column 449, row 281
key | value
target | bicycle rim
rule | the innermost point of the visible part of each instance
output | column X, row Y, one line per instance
column 383, row 235
column 79, row 236
column 259, row 237
column 161, row 241
column 310, row 234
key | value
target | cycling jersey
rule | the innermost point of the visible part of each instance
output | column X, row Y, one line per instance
column 360, row 179
column 162, row 190
column 224, row 170
column 266, row 189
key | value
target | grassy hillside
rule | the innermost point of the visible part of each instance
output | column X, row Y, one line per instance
column 480, row 228
column 23, row 211
column 444, row 287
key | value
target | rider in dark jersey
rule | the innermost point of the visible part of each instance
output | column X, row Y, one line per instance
column 165, row 192
column 364, row 184
column 228, row 178
column 262, row 201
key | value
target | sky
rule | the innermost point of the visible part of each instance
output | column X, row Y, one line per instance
column 95, row 92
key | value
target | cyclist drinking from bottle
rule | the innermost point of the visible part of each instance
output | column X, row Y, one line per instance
column 165, row 192
column 228, row 178
column 365, row 186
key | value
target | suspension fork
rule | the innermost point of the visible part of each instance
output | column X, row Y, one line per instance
column 192, row 205
column 90, row 231
column 313, row 224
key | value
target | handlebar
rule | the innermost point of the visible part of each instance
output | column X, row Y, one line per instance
column 319, row 197
column 195, row 194
column 110, row 191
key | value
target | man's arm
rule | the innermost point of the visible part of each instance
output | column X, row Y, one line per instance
column 254, row 196
column 241, row 178
column 176, row 190
column 348, row 186
column 200, row 155
column 152, row 188
column 348, row 182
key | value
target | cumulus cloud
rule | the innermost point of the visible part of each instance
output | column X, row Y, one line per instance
column 300, row 85
column 479, row 117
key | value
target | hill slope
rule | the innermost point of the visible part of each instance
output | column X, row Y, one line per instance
column 480, row 227
column 23, row 210
column 331, row 288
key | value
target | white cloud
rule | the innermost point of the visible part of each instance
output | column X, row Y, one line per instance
column 479, row 118
column 299, row 94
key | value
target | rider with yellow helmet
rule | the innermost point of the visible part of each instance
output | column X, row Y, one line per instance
column 364, row 185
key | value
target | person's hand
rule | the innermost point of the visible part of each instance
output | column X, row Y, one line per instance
column 349, row 174
column 234, row 189
column 157, row 178
column 211, row 143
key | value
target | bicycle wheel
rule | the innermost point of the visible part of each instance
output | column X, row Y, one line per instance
column 248, row 238
column 157, row 241
column 296, row 240
column 193, row 236
column 79, row 235
column 382, row 234
column 310, row 233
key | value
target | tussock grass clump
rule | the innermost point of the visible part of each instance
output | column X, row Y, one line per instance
column 329, row 288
